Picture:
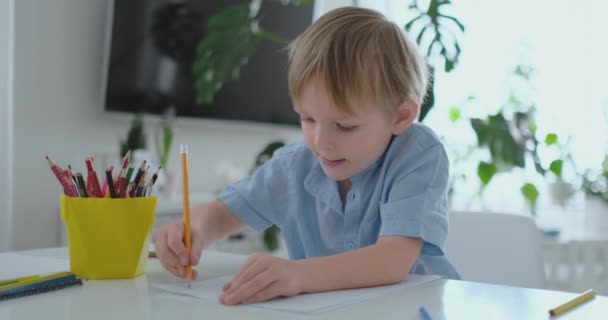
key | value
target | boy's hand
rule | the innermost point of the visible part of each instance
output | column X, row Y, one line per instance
column 262, row 277
column 172, row 252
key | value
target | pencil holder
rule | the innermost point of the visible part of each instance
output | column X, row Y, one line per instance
column 108, row 238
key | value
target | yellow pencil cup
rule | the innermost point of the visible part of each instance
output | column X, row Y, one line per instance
column 108, row 238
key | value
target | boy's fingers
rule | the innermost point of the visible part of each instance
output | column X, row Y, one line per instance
column 248, row 263
column 171, row 264
column 265, row 294
column 226, row 287
column 244, row 276
column 167, row 258
column 248, row 289
column 175, row 242
column 197, row 248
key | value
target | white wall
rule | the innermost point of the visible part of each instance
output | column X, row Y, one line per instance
column 6, row 153
column 323, row 6
column 59, row 58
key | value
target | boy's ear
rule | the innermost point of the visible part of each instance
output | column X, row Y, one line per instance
column 405, row 116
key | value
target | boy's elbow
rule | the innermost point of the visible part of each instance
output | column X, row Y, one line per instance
column 398, row 273
column 401, row 254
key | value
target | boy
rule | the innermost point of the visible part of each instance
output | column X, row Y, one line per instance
column 363, row 201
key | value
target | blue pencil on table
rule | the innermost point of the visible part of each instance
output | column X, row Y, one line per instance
column 425, row 314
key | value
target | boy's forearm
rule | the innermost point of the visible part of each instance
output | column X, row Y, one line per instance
column 385, row 262
column 216, row 221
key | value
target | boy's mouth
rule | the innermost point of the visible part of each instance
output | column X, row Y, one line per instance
column 331, row 163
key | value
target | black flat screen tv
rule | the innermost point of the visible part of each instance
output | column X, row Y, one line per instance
column 141, row 77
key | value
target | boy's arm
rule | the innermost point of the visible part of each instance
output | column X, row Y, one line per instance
column 209, row 222
column 386, row 262
column 263, row 277
column 215, row 221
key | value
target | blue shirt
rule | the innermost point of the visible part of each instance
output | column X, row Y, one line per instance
column 404, row 193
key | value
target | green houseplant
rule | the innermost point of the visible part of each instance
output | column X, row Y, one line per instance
column 270, row 235
column 234, row 34
column 164, row 137
column 136, row 137
column 595, row 182
column 511, row 140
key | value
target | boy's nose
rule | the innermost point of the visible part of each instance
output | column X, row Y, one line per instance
column 324, row 140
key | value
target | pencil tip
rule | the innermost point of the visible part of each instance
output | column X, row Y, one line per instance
column 47, row 157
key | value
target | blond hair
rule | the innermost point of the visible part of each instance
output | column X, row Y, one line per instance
column 359, row 54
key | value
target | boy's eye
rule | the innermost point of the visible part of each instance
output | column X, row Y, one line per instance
column 307, row 120
column 346, row 128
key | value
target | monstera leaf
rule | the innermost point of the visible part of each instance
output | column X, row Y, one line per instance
column 437, row 24
column 231, row 39
column 494, row 133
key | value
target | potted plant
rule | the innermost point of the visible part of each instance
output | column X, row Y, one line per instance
column 511, row 140
column 233, row 35
column 164, row 140
column 136, row 137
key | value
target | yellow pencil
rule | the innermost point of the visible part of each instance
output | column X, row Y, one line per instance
column 184, row 154
column 572, row 303
column 16, row 280
column 33, row 279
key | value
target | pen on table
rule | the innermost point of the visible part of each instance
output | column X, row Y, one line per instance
column 424, row 314
column 187, row 239
column 68, row 189
column 17, row 280
column 582, row 298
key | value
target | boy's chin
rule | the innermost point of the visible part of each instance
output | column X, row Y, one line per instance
column 338, row 176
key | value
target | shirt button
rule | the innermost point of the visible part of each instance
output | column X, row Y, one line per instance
column 350, row 245
column 353, row 196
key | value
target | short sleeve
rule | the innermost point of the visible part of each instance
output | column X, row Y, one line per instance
column 257, row 200
column 416, row 201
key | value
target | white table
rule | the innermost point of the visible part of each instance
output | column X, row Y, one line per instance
column 137, row 299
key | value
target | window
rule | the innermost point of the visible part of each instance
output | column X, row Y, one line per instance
column 563, row 41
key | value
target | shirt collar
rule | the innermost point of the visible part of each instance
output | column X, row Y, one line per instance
column 325, row 188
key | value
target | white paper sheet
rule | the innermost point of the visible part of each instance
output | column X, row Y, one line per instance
column 211, row 290
column 19, row 265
